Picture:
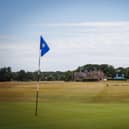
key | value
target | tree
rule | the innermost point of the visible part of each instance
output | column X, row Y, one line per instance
column 127, row 72
column 21, row 76
column 109, row 70
column 68, row 76
column 5, row 74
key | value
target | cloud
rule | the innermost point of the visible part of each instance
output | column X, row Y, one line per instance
column 72, row 45
column 7, row 37
column 106, row 43
column 85, row 24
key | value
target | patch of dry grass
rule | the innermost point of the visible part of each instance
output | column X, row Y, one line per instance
column 110, row 91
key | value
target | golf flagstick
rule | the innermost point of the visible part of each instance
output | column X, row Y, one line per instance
column 44, row 48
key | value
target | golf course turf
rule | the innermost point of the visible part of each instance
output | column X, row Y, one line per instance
column 65, row 105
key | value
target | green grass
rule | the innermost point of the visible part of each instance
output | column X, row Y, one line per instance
column 65, row 105
column 64, row 116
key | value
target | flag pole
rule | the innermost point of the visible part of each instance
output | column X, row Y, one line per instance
column 37, row 89
column 43, row 49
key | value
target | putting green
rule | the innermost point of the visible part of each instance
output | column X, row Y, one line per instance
column 64, row 116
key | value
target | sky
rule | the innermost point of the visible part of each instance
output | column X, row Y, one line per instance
column 78, row 32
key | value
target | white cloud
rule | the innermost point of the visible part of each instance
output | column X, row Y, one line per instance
column 85, row 24
column 7, row 37
column 72, row 44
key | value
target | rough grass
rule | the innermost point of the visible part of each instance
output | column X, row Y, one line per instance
column 84, row 92
column 65, row 105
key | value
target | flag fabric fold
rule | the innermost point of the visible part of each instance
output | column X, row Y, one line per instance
column 44, row 48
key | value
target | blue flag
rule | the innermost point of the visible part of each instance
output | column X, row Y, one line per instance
column 44, row 48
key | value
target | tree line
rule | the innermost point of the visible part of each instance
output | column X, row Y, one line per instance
column 6, row 74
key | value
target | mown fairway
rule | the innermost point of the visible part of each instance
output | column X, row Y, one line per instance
column 65, row 105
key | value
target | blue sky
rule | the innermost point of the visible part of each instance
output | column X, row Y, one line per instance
column 78, row 32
